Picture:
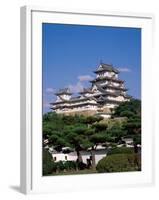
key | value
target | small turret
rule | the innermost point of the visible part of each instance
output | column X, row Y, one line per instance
column 63, row 94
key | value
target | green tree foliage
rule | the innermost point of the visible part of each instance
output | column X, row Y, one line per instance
column 133, row 126
column 116, row 132
column 92, row 119
column 119, row 163
column 132, row 111
column 128, row 109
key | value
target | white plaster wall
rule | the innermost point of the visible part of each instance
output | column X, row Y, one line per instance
column 65, row 96
column 62, row 157
column 110, row 90
column 99, row 157
column 105, row 116
column 99, row 154
column 115, row 84
column 119, row 98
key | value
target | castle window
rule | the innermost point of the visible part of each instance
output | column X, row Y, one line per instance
column 54, row 158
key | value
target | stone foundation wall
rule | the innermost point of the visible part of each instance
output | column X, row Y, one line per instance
column 107, row 110
column 88, row 112
column 85, row 113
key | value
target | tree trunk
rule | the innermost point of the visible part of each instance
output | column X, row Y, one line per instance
column 79, row 157
column 93, row 159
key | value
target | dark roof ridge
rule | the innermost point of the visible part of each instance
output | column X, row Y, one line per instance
column 106, row 67
column 63, row 91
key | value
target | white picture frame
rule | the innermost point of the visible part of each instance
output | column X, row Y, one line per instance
column 31, row 101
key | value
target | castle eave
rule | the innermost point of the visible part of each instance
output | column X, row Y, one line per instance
column 106, row 78
column 73, row 106
column 114, row 87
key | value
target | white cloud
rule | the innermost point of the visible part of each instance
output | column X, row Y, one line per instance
column 78, row 87
column 124, row 69
column 50, row 90
column 85, row 78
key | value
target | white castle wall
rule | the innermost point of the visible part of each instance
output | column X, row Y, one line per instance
column 99, row 154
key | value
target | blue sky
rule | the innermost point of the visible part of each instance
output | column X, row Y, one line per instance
column 72, row 52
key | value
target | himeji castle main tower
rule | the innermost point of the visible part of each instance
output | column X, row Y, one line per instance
column 106, row 92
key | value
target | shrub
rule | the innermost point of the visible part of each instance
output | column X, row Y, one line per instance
column 47, row 162
column 119, row 163
column 60, row 166
column 70, row 165
column 64, row 165
column 82, row 166
column 121, row 150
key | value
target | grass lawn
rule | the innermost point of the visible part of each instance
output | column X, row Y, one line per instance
column 84, row 171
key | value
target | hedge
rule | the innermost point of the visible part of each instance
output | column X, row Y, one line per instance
column 119, row 163
column 121, row 150
column 47, row 162
column 66, row 165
